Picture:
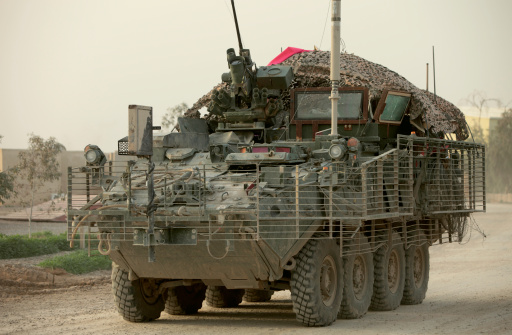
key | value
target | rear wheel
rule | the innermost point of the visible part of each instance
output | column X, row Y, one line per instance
column 317, row 283
column 138, row 300
column 388, row 287
column 185, row 299
column 417, row 268
column 357, row 278
column 220, row 296
column 257, row 295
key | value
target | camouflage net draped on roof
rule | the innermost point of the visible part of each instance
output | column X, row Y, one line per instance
column 311, row 69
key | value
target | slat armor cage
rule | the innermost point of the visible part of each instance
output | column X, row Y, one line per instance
column 423, row 183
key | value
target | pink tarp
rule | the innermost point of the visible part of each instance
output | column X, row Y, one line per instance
column 287, row 53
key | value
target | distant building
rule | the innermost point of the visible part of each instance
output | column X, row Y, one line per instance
column 488, row 118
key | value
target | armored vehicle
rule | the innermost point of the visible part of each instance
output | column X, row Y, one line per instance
column 273, row 192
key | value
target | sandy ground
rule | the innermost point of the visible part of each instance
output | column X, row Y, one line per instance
column 470, row 292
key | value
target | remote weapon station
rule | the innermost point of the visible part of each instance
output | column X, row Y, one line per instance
column 332, row 189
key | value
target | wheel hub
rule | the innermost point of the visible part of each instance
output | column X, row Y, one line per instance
column 419, row 274
column 328, row 280
column 359, row 277
column 149, row 290
column 393, row 271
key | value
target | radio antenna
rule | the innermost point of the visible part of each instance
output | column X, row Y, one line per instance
column 236, row 25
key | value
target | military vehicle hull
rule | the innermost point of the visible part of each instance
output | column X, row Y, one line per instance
column 246, row 229
column 261, row 195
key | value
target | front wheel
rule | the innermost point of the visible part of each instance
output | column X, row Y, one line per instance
column 138, row 300
column 417, row 268
column 317, row 283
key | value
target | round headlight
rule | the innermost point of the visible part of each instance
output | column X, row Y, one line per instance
column 91, row 156
column 336, row 151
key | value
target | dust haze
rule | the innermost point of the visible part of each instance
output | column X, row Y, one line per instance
column 71, row 68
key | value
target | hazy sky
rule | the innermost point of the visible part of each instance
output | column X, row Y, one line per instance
column 70, row 68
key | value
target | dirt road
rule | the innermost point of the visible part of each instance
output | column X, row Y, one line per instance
column 470, row 292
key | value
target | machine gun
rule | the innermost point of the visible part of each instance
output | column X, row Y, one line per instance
column 253, row 94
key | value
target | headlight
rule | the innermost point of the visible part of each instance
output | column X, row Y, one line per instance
column 94, row 155
column 91, row 156
column 337, row 151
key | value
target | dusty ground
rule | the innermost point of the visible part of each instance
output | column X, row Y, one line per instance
column 470, row 292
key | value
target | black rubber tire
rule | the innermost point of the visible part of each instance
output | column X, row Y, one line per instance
column 318, row 265
column 417, row 269
column 357, row 278
column 221, row 297
column 257, row 295
column 130, row 300
column 185, row 300
column 388, row 288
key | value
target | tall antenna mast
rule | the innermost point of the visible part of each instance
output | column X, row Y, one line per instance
column 236, row 25
column 335, row 63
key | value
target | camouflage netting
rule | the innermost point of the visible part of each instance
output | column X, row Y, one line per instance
column 204, row 101
column 311, row 69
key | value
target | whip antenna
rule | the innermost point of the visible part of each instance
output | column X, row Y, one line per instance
column 236, row 25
